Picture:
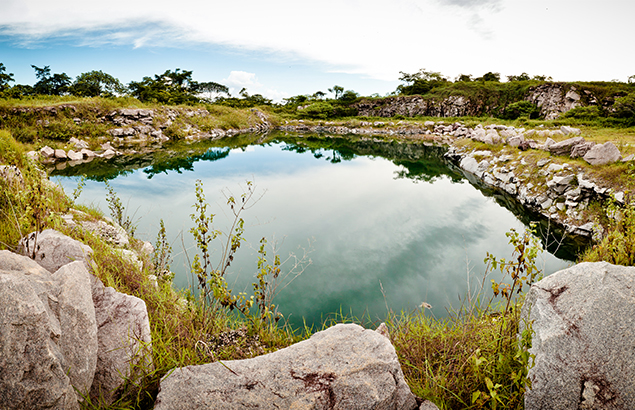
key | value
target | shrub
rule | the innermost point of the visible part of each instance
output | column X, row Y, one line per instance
column 518, row 109
column 321, row 110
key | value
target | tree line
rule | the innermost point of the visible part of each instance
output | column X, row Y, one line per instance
column 171, row 87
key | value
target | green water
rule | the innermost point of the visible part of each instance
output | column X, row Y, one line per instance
column 386, row 225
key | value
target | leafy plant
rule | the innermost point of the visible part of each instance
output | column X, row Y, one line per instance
column 118, row 211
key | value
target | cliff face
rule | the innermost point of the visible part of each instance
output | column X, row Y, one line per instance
column 553, row 99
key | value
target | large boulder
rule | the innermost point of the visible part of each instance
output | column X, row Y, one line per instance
column 76, row 314
column 565, row 147
column 33, row 370
column 343, row 367
column 583, row 319
column 602, row 154
column 52, row 249
column 123, row 331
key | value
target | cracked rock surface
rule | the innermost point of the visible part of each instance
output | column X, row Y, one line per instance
column 343, row 367
column 584, row 338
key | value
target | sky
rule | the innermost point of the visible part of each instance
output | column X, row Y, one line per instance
column 282, row 48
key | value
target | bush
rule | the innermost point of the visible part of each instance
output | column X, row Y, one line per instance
column 321, row 110
column 583, row 113
column 518, row 109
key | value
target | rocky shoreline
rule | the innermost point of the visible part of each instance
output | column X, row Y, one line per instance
column 549, row 186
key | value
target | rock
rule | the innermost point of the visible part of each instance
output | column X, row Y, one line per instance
column 515, row 140
column 565, row 147
column 60, row 154
column 112, row 232
column 75, row 156
column 343, row 367
column 603, row 154
column 32, row 367
column 87, row 153
column 12, row 175
column 47, row 152
column 428, row 405
column 629, row 158
column 108, row 153
column 583, row 323
column 581, row 149
column 469, row 164
column 52, row 250
column 78, row 339
column 382, row 329
column 124, row 341
column 543, row 162
column 79, row 144
column 561, row 184
column 566, row 130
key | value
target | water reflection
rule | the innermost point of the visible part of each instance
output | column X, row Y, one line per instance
column 370, row 225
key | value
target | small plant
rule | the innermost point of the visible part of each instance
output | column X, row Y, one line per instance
column 617, row 246
column 118, row 211
column 162, row 255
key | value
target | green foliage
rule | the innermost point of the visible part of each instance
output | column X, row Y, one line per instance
column 420, row 82
column 118, row 211
column 319, row 110
column 519, row 109
column 583, row 113
column 624, row 107
column 56, row 84
column 172, row 87
column 618, row 244
column 5, row 79
column 162, row 256
column 95, row 84
column 478, row 358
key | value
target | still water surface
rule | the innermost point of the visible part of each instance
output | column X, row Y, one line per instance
column 388, row 226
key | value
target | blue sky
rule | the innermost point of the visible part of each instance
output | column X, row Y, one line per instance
column 282, row 48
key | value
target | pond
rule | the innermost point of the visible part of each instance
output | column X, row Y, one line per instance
column 386, row 225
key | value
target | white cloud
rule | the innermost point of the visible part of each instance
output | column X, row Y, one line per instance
column 369, row 38
column 241, row 79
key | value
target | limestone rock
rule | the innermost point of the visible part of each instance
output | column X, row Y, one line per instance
column 60, row 154
column 566, row 130
column 123, row 333
column 565, row 147
column 78, row 339
column 52, row 250
column 75, row 155
column 580, row 150
column 47, row 152
column 32, row 368
column 584, row 333
column 343, row 367
column 602, row 154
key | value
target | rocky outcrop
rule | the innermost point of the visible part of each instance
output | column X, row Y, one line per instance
column 343, row 367
column 554, row 99
column 33, row 371
column 65, row 332
column 583, row 319
column 52, row 250
column 124, row 340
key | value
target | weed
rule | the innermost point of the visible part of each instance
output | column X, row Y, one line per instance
column 118, row 211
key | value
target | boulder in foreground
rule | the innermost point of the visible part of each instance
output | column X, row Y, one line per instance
column 343, row 367
column 584, row 338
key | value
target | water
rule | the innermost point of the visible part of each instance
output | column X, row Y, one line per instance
column 386, row 225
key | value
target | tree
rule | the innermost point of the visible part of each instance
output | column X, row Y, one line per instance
column 337, row 90
column 171, row 87
column 420, row 82
column 494, row 77
column 95, row 84
column 5, row 79
column 521, row 77
column 212, row 89
column 348, row 96
column 541, row 78
column 56, row 84
column 463, row 78
column 631, row 79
